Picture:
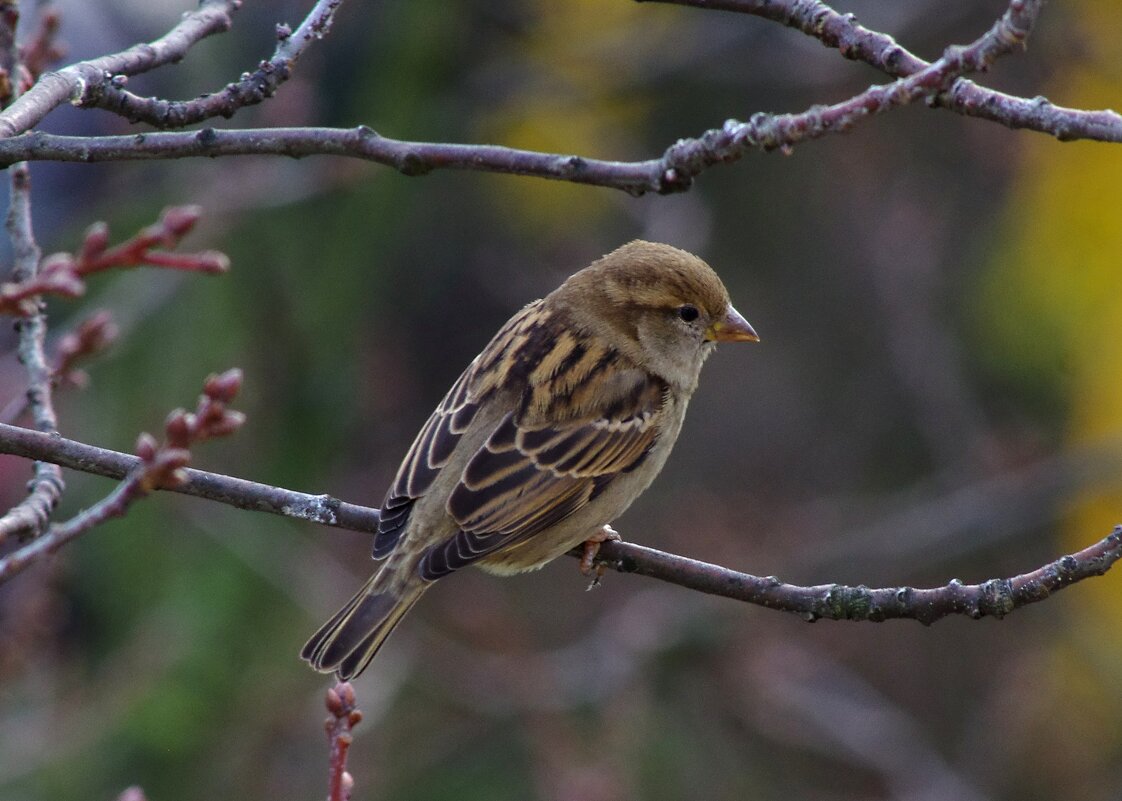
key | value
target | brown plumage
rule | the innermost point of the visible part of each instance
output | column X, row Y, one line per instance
column 553, row 430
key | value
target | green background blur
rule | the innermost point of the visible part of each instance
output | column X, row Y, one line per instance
column 938, row 394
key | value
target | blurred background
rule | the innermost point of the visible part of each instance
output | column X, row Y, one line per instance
column 938, row 394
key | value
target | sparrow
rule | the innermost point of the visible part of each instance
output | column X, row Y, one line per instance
column 551, row 432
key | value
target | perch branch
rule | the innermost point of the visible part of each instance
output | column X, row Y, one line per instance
column 995, row 598
column 238, row 492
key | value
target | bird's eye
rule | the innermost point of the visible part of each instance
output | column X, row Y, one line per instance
column 688, row 312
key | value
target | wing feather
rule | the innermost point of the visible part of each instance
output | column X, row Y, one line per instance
column 519, row 485
column 430, row 451
column 560, row 447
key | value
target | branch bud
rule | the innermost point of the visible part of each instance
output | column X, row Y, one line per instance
column 180, row 428
column 146, row 447
column 177, row 222
column 223, row 386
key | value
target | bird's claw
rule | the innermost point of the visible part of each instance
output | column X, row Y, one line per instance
column 588, row 564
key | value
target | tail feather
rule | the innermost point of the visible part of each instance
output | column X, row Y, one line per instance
column 348, row 641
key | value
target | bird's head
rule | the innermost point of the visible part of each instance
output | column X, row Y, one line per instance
column 662, row 307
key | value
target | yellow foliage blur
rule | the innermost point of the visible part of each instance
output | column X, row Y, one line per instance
column 1054, row 296
column 566, row 102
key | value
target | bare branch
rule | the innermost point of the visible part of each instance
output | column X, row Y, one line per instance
column 410, row 158
column 854, row 41
column 238, row 492
column 159, row 466
column 76, row 82
column 673, row 172
column 994, row 598
column 31, row 515
column 253, row 87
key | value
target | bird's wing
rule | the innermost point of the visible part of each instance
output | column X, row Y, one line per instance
column 527, row 478
column 570, row 433
column 430, row 452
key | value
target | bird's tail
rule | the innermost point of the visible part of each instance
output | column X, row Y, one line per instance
column 348, row 641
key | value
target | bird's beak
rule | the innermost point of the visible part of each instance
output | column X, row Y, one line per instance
column 731, row 328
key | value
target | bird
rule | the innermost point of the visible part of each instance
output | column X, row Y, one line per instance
column 564, row 419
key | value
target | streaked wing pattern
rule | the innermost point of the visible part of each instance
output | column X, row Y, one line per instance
column 525, row 480
column 430, row 451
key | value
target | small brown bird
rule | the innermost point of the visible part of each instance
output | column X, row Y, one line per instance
column 553, row 430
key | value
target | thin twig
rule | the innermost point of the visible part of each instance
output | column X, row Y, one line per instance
column 158, row 466
column 995, row 598
column 64, row 273
column 115, row 504
column 71, row 83
column 344, row 717
column 91, row 337
column 879, row 50
column 410, row 158
column 43, row 49
column 254, row 87
column 672, row 172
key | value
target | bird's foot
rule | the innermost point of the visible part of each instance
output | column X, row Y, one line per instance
column 588, row 564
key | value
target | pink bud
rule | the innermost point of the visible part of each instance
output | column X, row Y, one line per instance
column 229, row 423
column 95, row 242
column 177, row 221
column 334, row 704
column 223, row 386
column 212, row 262
column 180, row 428
column 146, row 446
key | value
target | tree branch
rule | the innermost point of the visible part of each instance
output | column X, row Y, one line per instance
column 674, row 171
column 994, row 598
column 254, row 87
column 879, row 50
column 32, row 514
column 75, row 82
column 158, row 466
column 238, row 492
